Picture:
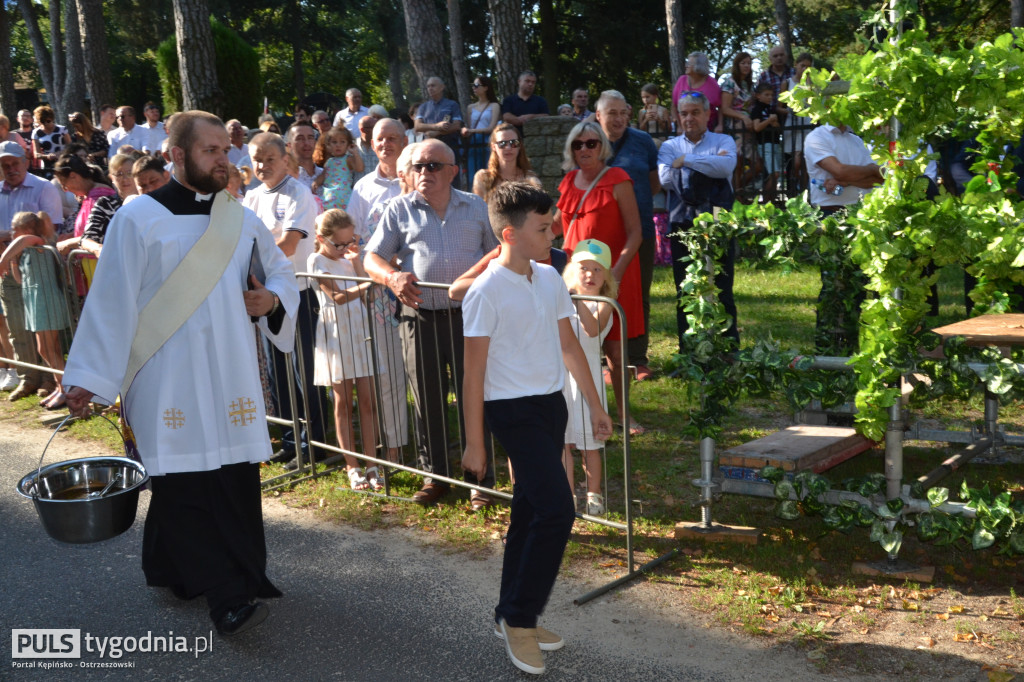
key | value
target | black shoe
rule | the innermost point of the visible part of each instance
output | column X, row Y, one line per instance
column 242, row 618
column 282, row 455
column 293, row 463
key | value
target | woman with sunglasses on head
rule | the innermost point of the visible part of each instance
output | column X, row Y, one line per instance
column 597, row 202
column 93, row 138
column 508, row 162
column 481, row 115
column 48, row 138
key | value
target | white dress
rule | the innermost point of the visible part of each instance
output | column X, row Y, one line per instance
column 342, row 333
column 197, row 404
column 578, row 430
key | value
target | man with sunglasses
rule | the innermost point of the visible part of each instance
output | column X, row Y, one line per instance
column 695, row 170
column 127, row 134
column 439, row 233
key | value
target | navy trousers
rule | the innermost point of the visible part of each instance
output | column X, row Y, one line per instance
column 532, row 430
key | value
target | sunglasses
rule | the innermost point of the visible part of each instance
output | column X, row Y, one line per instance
column 429, row 166
column 477, row 85
column 343, row 245
column 589, row 144
column 502, row 144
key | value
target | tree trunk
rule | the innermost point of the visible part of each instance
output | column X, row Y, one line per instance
column 38, row 43
column 196, row 57
column 95, row 55
column 56, row 96
column 548, row 54
column 426, row 45
column 509, row 40
column 782, row 21
column 676, row 41
column 73, row 96
column 8, row 101
column 459, row 70
column 1016, row 13
column 395, row 83
column 295, row 22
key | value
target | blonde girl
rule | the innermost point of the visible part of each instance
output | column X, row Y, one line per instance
column 46, row 313
column 341, row 161
column 342, row 355
column 588, row 274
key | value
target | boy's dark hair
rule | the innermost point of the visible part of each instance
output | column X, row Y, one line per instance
column 148, row 163
column 762, row 86
column 511, row 202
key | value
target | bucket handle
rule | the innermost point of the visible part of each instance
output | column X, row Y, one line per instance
column 39, row 467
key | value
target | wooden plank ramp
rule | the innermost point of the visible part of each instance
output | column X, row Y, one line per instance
column 802, row 447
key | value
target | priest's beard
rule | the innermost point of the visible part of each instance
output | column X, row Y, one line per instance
column 204, row 181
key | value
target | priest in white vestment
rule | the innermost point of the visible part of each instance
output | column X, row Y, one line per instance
column 196, row 406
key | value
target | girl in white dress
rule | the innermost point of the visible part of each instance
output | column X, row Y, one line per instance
column 588, row 274
column 342, row 356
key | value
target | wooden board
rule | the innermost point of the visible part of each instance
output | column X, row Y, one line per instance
column 692, row 530
column 987, row 330
column 924, row 574
column 799, row 448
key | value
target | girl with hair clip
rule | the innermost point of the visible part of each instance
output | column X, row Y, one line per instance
column 342, row 355
column 588, row 274
column 46, row 313
column 335, row 152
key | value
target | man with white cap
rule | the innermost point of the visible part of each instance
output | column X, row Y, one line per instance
column 22, row 191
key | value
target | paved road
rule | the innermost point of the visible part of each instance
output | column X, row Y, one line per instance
column 357, row 606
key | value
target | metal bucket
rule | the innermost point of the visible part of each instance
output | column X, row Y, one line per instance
column 85, row 500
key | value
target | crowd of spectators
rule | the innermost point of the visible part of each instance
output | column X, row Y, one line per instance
column 618, row 188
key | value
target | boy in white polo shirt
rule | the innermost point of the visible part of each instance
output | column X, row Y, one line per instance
column 518, row 342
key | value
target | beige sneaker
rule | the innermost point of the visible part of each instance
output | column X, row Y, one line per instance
column 546, row 640
column 523, row 650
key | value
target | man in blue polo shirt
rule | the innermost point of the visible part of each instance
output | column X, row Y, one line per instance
column 439, row 117
column 634, row 151
column 519, row 108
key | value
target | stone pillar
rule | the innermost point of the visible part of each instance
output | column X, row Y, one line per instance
column 545, row 139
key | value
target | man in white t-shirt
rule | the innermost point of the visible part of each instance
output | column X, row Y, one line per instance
column 301, row 141
column 154, row 127
column 128, row 133
column 238, row 155
column 289, row 211
column 836, row 158
column 350, row 115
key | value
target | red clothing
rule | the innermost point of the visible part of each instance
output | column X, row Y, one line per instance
column 601, row 219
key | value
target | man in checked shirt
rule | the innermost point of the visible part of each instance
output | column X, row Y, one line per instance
column 438, row 233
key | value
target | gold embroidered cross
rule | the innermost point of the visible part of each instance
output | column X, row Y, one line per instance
column 243, row 412
column 174, row 419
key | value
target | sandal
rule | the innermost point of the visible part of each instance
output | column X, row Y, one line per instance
column 636, row 428
column 54, row 401
column 356, row 480
column 373, row 479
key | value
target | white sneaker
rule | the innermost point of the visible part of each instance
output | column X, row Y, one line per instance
column 595, row 504
column 8, row 379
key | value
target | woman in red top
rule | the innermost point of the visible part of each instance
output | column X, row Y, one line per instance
column 597, row 202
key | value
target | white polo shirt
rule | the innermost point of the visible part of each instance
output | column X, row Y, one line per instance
column 524, row 357
column 289, row 207
column 823, row 142
column 137, row 137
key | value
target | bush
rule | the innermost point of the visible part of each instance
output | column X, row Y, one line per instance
column 238, row 73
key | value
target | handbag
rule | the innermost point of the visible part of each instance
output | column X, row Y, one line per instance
column 188, row 285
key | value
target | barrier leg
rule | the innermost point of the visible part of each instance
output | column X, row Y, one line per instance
column 705, row 528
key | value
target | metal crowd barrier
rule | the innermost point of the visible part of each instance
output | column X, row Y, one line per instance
column 371, row 330
column 373, row 325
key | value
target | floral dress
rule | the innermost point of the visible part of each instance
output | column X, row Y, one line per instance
column 338, row 182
